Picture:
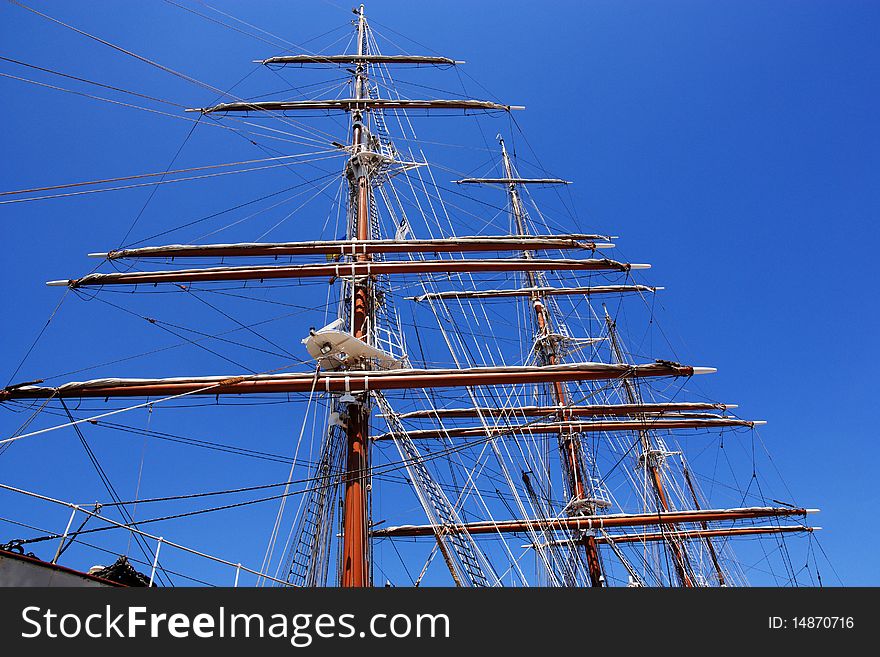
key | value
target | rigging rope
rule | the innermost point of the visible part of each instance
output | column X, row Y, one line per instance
column 37, row 339
column 153, row 175
column 105, row 479
column 137, row 489
column 92, row 82
column 273, row 536
column 160, row 181
column 162, row 67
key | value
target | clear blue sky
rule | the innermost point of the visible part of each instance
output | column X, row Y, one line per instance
column 733, row 145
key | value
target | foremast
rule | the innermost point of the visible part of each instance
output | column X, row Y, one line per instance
column 355, row 567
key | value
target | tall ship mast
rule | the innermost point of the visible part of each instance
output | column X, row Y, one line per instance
column 469, row 411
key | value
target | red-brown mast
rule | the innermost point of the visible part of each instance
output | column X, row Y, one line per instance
column 355, row 549
column 679, row 556
column 569, row 444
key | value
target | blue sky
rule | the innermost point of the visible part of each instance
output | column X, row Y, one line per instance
column 733, row 145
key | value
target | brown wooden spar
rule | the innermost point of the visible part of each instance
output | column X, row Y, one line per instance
column 512, row 181
column 356, row 104
column 359, row 59
column 586, row 523
column 570, row 411
column 304, row 382
column 532, row 291
column 537, row 428
column 696, row 534
column 357, row 247
column 356, row 268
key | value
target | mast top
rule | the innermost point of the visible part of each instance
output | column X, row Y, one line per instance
column 510, row 179
column 361, row 102
column 360, row 57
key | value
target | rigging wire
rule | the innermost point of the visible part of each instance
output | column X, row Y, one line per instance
column 37, row 339
column 273, row 536
column 93, row 97
column 92, row 82
column 225, row 447
column 105, row 480
column 155, row 174
column 194, row 343
column 160, row 181
column 247, row 328
column 219, row 22
column 391, row 467
column 141, row 58
column 225, row 211
column 137, row 488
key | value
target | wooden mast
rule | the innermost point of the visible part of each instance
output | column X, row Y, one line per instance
column 648, row 456
column 706, row 535
column 355, row 548
column 569, row 444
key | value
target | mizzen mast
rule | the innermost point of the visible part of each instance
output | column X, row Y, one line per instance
column 651, row 459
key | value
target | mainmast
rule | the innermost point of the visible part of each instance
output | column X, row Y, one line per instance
column 546, row 345
column 355, row 571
